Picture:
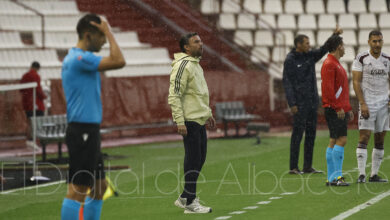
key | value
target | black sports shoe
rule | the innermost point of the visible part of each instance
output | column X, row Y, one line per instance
column 361, row 179
column 311, row 170
column 333, row 183
column 339, row 182
column 295, row 171
column 377, row 179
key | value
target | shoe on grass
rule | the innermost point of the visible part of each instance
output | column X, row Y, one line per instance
column 339, row 182
column 196, row 208
column 377, row 179
column 361, row 179
column 312, row 170
column 295, row 171
column 181, row 202
column 332, row 183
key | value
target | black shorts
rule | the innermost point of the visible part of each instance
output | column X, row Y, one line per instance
column 85, row 158
column 29, row 114
column 337, row 127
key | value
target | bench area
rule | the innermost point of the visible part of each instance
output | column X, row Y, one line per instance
column 51, row 129
column 235, row 112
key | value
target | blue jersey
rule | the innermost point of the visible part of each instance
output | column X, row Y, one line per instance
column 81, row 83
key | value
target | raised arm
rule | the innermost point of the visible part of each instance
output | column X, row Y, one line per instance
column 319, row 53
column 115, row 60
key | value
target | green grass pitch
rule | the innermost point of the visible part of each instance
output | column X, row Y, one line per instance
column 237, row 174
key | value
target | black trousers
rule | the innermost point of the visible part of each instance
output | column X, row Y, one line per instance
column 195, row 145
column 304, row 121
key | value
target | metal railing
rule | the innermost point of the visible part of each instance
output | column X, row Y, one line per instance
column 181, row 30
column 40, row 15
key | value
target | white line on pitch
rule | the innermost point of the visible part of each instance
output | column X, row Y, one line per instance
column 288, row 193
column 32, row 187
column 361, row 206
column 223, row 217
column 263, row 202
column 237, row 213
column 251, row 207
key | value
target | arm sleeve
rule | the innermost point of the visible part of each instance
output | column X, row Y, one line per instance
column 89, row 62
column 328, row 82
column 319, row 53
column 40, row 93
column 357, row 65
column 288, row 83
column 177, row 86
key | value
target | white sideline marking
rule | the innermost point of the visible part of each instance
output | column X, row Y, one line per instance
column 251, row 207
column 237, row 212
column 32, row 187
column 275, row 197
column 361, row 206
column 223, row 217
column 288, row 193
column 263, row 202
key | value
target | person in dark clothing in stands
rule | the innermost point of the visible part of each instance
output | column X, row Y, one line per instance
column 300, row 85
column 27, row 95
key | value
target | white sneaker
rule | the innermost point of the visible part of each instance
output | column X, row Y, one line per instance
column 196, row 207
column 181, row 202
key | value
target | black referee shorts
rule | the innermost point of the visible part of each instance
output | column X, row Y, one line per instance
column 85, row 158
column 337, row 127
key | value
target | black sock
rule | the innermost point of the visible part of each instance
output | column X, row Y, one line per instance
column 189, row 200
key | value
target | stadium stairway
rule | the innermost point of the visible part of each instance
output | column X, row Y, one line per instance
column 137, row 15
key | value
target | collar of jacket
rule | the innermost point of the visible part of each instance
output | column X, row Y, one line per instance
column 183, row 56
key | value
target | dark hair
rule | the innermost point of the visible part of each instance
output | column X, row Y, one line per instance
column 35, row 65
column 334, row 42
column 184, row 40
column 84, row 24
column 374, row 33
column 299, row 39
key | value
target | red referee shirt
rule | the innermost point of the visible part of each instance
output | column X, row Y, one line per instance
column 334, row 85
column 27, row 94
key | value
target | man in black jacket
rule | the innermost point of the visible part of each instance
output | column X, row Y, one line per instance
column 300, row 85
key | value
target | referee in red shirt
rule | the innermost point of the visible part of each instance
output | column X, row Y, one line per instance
column 335, row 100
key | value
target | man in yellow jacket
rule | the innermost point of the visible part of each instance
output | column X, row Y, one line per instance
column 189, row 101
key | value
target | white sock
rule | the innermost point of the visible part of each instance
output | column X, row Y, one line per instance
column 377, row 156
column 361, row 155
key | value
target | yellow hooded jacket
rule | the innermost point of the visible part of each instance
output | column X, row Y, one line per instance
column 188, row 91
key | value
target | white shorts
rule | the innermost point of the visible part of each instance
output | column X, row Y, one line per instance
column 378, row 120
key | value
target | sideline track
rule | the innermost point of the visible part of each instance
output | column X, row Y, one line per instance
column 32, row 187
column 362, row 206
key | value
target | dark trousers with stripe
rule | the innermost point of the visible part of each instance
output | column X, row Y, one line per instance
column 304, row 121
column 195, row 146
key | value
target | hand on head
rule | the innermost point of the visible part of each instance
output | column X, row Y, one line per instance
column 103, row 26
